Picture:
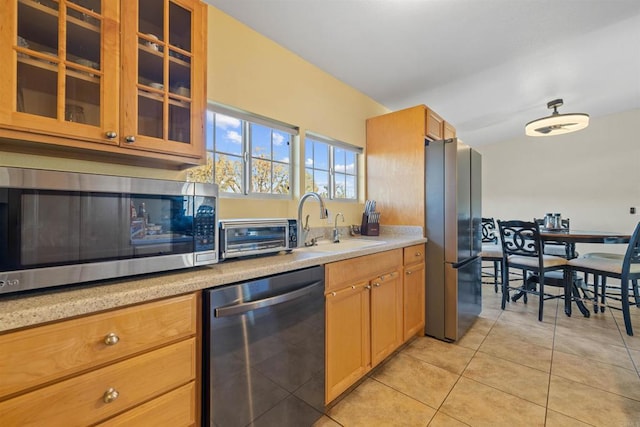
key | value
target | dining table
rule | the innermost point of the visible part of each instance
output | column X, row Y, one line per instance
column 570, row 237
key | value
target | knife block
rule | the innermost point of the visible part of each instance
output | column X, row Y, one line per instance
column 369, row 228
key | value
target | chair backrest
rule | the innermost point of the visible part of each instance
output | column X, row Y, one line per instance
column 520, row 238
column 489, row 231
column 632, row 256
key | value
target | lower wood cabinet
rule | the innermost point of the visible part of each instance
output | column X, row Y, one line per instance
column 363, row 316
column 413, row 291
column 119, row 366
column 347, row 338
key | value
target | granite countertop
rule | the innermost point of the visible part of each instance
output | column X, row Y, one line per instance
column 28, row 309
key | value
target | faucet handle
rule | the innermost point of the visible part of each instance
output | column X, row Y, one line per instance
column 306, row 224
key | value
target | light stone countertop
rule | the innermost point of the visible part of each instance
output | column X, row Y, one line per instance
column 28, row 309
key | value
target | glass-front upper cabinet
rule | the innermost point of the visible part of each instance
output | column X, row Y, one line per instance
column 61, row 78
column 164, row 82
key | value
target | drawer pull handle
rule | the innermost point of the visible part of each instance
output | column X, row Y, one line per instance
column 333, row 294
column 110, row 395
column 418, row 253
column 377, row 285
column 111, row 339
column 368, row 287
column 409, row 272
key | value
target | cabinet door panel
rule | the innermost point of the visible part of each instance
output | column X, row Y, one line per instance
column 386, row 316
column 434, row 127
column 164, row 92
column 347, row 338
column 414, row 303
column 65, row 69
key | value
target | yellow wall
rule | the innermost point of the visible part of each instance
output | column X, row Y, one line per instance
column 248, row 71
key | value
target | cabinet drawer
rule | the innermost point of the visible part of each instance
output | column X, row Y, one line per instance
column 414, row 254
column 176, row 408
column 45, row 353
column 81, row 400
column 342, row 273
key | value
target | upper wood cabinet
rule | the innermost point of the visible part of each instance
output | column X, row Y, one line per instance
column 105, row 76
column 434, row 125
column 395, row 162
column 449, row 131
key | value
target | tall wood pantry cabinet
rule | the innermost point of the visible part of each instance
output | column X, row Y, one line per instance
column 395, row 161
column 117, row 77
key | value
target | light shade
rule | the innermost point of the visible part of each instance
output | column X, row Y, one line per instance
column 556, row 123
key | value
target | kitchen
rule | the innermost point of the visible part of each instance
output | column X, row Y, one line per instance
column 283, row 90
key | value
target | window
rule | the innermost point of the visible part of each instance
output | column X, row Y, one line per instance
column 331, row 167
column 247, row 154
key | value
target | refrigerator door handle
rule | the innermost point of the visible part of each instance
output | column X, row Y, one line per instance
column 464, row 262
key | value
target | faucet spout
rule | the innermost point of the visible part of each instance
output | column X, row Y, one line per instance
column 303, row 230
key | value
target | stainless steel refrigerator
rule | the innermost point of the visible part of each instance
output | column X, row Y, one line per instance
column 453, row 227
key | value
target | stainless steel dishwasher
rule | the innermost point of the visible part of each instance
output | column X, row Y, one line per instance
column 264, row 352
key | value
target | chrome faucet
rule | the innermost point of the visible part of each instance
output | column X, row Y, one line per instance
column 303, row 231
column 336, row 234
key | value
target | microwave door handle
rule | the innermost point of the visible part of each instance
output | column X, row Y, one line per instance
column 233, row 310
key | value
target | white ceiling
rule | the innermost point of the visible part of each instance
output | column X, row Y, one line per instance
column 487, row 66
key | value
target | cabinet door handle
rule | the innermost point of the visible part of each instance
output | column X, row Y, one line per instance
column 110, row 395
column 409, row 272
column 130, row 139
column 368, row 287
column 333, row 294
column 111, row 134
column 377, row 285
column 418, row 253
column 111, row 339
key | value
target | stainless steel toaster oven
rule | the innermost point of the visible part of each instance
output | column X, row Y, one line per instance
column 250, row 237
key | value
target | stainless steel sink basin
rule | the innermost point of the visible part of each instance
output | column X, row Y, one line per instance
column 342, row 246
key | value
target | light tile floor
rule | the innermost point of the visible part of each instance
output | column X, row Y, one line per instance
column 508, row 370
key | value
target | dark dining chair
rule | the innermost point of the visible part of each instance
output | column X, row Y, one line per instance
column 626, row 270
column 491, row 251
column 522, row 249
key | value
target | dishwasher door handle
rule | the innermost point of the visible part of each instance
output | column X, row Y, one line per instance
column 232, row 310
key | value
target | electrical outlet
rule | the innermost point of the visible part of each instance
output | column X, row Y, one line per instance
column 632, row 210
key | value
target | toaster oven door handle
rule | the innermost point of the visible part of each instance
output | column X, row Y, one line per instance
column 236, row 309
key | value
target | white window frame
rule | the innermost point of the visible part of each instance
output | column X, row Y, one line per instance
column 246, row 151
column 333, row 144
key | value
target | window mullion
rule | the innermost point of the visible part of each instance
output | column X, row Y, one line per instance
column 332, row 177
column 246, row 148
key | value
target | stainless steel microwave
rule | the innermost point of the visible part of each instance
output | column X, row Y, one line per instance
column 260, row 236
column 59, row 228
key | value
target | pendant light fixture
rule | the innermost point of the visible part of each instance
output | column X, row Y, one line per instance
column 557, row 123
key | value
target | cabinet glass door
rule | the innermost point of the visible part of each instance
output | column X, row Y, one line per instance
column 59, row 65
column 164, row 70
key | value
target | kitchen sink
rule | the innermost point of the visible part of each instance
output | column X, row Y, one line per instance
column 342, row 246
